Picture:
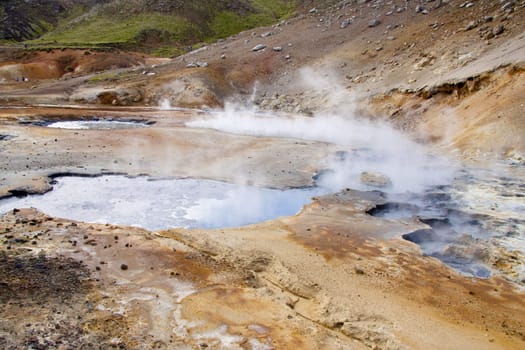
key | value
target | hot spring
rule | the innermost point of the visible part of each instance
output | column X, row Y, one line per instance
column 162, row 204
column 86, row 122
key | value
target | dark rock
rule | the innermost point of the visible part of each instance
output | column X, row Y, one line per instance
column 499, row 29
column 420, row 9
column 123, row 267
column 346, row 23
column 374, row 22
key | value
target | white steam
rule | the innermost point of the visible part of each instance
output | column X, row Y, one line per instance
column 367, row 145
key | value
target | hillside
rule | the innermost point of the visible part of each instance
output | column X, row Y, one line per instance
column 164, row 27
column 23, row 20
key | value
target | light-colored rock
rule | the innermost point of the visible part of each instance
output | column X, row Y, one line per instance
column 375, row 179
column 258, row 47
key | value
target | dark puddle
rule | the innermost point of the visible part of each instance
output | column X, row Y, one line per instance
column 479, row 210
column 454, row 237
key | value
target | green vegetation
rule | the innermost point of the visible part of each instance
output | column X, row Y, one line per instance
column 106, row 30
column 227, row 23
column 160, row 30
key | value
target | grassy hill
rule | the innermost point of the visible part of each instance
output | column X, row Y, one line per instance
column 155, row 26
column 22, row 20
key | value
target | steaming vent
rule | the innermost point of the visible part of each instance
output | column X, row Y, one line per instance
column 461, row 233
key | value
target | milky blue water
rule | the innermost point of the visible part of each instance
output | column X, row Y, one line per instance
column 163, row 204
column 96, row 124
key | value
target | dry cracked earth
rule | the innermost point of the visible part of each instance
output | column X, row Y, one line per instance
column 344, row 272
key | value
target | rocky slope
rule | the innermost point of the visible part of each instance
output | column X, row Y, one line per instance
column 416, row 60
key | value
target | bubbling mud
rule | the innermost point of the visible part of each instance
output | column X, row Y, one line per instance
column 163, row 204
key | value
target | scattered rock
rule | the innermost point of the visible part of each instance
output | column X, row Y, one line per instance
column 508, row 6
column 471, row 25
column 359, row 271
column 346, row 23
column 277, row 48
column 197, row 65
column 421, row 9
column 258, row 47
column 123, row 267
column 374, row 22
column 499, row 29
column 266, row 34
column 313, row 10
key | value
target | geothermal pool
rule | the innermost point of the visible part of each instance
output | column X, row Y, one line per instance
column 97, row 124
column 162, row 204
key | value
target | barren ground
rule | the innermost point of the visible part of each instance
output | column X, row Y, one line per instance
column 331, row 277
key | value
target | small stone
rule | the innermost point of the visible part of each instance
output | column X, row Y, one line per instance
column 123, row 267
column 266, row 34
column 421, row 9
column 499, row 29
column 359, row 271
column 374, row 22
column 313, row 10
column 258, row 47
column 346, row 23
column 277, row 48
column 508, row 7
column 471, row 25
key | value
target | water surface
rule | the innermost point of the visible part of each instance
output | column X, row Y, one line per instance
column 163, row 204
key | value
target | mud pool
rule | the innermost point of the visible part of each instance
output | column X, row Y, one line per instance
column 163, row 204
